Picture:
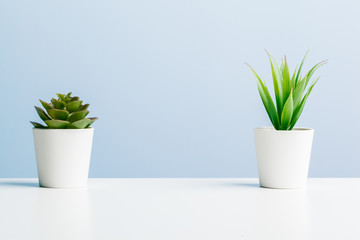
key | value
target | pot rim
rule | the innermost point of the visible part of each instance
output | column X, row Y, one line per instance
column 298, row 129
column 63, row 130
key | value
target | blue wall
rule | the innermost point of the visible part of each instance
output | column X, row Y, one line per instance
column 167, row 80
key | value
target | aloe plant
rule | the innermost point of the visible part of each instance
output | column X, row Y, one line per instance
column 64, row 112
column 291, row 92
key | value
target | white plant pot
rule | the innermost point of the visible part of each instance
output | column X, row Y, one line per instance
column 283, row 156
column 63, row 156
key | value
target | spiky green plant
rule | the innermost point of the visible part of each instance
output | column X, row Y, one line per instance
column 291, row 92
column 64, row 112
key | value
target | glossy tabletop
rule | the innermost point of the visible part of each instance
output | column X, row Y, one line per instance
column 222, row 209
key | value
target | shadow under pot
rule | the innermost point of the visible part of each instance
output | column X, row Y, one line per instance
column 283, row 157
column 63, row 156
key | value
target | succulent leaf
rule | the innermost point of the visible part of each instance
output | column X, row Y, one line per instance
column 37, row 125
column 68, row 95
column 60, row 96
column 74, row 99
column 92, row 121
column 57, row 124
column 80, row 124
column 58, row 104
column 58, row 114
column 42, row 114
column 76, row 116
column 83, row 107
column 46, row 105
column 73, row 106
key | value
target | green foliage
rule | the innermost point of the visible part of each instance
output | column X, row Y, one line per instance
column 291, row 92
column 63, row 113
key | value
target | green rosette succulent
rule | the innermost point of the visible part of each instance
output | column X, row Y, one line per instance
column 66, row 112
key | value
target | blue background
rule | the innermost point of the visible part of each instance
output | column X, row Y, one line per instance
column 168, row 81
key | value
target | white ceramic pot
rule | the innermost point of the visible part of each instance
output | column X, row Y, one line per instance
column 283, row 156
column 63, row 156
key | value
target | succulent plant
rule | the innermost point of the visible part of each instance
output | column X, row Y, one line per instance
column 63, row 113
column 291, row 92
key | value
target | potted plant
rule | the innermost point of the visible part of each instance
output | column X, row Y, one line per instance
column 282, row 151
column 63, row 145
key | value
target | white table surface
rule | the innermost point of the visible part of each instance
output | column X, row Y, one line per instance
column 222, row 209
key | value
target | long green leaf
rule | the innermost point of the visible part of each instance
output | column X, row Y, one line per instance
column 299, row 92
column 277, row 87
column 301, row 106
column 292, row 80
column 267, row 100
column 279, row 76
column 287, row 113
column 312, row 70
column 267, row 107
column 286, row 82
column 299, row 70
